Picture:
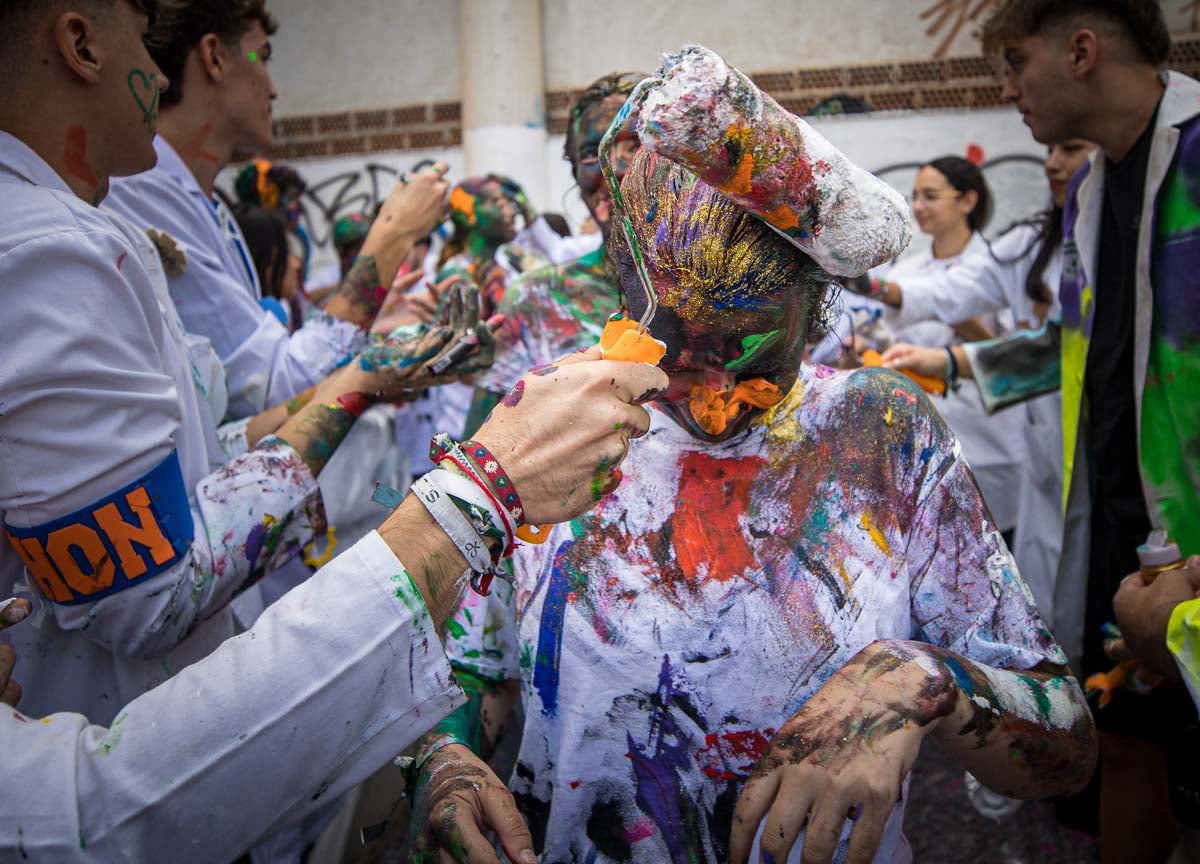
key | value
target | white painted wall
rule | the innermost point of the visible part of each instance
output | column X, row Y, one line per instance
column 346, row 55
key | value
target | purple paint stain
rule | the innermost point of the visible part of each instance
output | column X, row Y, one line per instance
column 513, row 399
column 255, row 541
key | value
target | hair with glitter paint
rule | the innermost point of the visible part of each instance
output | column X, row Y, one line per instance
column 713, row 255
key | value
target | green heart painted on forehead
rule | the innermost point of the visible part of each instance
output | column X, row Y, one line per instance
column 145, row 92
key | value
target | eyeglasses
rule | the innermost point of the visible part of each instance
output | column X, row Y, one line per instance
column 929, row 197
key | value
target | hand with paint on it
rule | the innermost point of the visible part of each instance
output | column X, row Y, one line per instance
column 843, row 756
column 1144, row 611
column 458, row 798
column 12, row 611
column 406, row 360
column 415, row 207
column 561, row 432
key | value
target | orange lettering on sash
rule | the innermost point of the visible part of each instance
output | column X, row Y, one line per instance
column 146, row 533
column 59, row 545
column 43, row 571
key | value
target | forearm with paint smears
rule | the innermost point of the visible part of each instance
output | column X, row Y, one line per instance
column 1026, row 734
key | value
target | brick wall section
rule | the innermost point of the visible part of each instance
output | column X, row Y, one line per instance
column 952, row 83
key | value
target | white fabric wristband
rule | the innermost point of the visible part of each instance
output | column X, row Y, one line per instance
column 454, row 523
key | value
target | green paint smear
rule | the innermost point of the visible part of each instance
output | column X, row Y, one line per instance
column 753, row 347
column 1039, row 696
column 407, row 593
column 113, row 738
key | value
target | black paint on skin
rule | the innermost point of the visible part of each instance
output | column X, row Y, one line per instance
column 361, row 288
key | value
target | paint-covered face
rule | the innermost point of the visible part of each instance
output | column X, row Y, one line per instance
column 938, row 207
column 249, row 91
column 495, row 213
column 590, row 127
column 133, row 92
column 1062, row 161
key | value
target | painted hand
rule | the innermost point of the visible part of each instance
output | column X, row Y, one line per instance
column 924, row 361
column 457, row 799
column 562, row 431
column 412, row 209
column 406, row 360
column 13, row 612
column 1143, row 612
column 844, row 755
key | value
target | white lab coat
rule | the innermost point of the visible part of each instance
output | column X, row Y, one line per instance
column 993, row 446
column 98, row 388
column 977, row 286
column 335, row 679
column 217, row 296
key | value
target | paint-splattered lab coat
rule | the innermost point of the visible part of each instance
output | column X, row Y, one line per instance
column 662, row 639
column 103, row 423
column 217, row 296
column 331, row 682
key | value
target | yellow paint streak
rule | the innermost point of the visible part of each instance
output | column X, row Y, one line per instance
column 876, row 534
column 888, row 417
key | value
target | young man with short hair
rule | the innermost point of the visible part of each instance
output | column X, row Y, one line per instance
column 1130, row 345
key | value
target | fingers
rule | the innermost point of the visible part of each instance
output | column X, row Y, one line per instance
column 13, row 611
column 1118, row 649
column 500, row 812
column 868, row 830
column 824, row 830
column 785, row 821
column 634, row 382
column 752, row 805
column 10, row 691
column 464, row 842
column 403, row 284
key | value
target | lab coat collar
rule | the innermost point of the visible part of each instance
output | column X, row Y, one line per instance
column 19, row 160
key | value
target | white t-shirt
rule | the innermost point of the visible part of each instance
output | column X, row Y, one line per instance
column 662, row 639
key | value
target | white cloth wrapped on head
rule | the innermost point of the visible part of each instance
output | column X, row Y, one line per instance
column 707, row 116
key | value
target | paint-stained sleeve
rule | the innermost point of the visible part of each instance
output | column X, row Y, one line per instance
column 88, row 411
column 965, row 591
column 1183, row 639
column 481, row 636
column 1018, row 366
column 333, row 680
column 264, row 365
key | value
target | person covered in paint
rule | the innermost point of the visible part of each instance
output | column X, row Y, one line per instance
column 330, row 683
column 772, row 612
column 552, row 311
column 215, row 53
column 1021, row 274
column 123, row 516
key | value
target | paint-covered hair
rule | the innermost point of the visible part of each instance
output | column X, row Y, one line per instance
column 1140, row 22
column 712, row 254
column 618, row 83
column 179, row 25
column 964, row 175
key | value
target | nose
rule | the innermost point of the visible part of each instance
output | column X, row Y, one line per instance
column 1010, row 92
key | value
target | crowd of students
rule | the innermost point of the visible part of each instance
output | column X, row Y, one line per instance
column 731, row 589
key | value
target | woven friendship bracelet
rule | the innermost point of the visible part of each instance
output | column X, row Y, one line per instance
column 443, row 449
column 493, row 472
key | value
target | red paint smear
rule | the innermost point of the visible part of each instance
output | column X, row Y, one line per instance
column 121, row 260
column 195, row 145
column 572, row 597
column 907, row 397
column 738, row 750
column 713, row 493
column 513, row 399
column 355, row 403
column 975, row 154
column 640, row 830
column 75, row 156
column 575, row 784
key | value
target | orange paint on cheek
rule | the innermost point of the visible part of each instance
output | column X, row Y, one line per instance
column 75, row 156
